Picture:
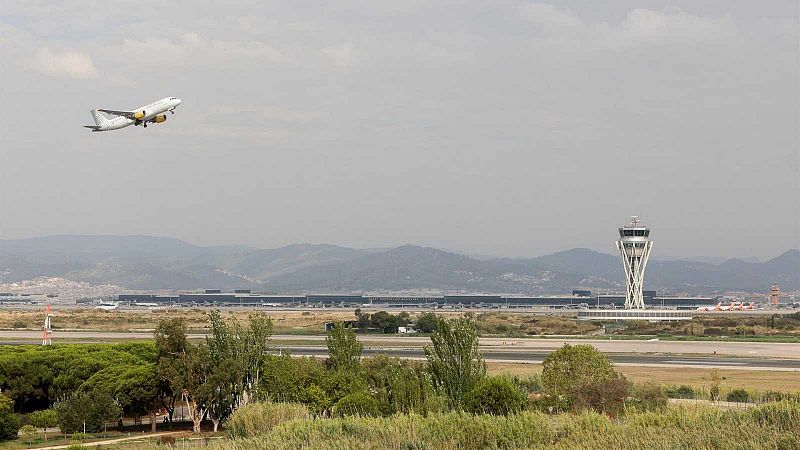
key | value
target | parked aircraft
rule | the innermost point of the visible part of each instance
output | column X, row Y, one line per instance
column 107, row 306
column 152, row 113
column 733, row 306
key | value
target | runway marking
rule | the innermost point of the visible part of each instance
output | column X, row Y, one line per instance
column 716, row 363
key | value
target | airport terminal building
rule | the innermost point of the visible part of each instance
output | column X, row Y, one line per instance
column 579, row 299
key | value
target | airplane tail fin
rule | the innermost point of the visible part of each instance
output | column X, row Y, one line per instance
column 99, row 119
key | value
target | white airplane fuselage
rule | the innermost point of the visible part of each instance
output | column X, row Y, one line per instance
column 151, row 113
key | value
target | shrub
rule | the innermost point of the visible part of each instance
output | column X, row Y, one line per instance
column 649, row 397
column 531, row 383
column 716, row 382
column 683, row 391
column 606, row 396
column 398, row 385
column 495, row 395
column 9, row 423
column 550, row 404
column 259, row 418
column 738, row 395
column 569, row 368
column 167, row 440
column 356, row 404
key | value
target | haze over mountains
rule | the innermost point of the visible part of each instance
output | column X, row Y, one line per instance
column 157, row 263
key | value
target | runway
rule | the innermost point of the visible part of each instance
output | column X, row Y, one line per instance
column 652, row 353
column 536, row 357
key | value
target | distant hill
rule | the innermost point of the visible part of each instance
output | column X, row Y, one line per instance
column 146, row 262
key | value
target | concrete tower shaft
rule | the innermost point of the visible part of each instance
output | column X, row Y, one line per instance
column 634, row 247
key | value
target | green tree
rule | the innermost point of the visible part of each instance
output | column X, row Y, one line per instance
column 86, row 411
column 454, row 361
column 427, row 323
column 9, row 424
column 363, row 320
column 344, row 350
column 28, row 431
column 137, row 389
column 188, row 374
column 388, row 323
column 171, row 343
column 236, row 354
column 45, row 418
column 565, row 370
column 495, row 395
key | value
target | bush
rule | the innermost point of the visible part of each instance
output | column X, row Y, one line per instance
column 356, row 404
column 649, row 397
column 738, row 395
column 683, row 391
column 550, row 404
column 259, row 418
column 569, row 368
column 495, row 395
column 605, row 396
column 9, row 423
column 398, row 385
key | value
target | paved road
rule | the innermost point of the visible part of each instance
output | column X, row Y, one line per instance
column 533, row 357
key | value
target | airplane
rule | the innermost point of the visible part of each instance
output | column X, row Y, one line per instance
column 718, row 307
column 107, row 306
column 145, row 304
column 152, row 113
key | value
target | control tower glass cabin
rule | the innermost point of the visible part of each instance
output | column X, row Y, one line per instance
column 634, row 247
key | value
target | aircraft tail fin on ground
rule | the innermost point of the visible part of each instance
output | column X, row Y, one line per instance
column 99, row 119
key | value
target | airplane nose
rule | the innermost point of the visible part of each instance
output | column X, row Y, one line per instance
column 179, row 101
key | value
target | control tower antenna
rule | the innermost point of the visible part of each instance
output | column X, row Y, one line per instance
column 634, row 247
column 47, row 331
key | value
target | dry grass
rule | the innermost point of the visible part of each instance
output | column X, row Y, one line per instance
column 136, row 320
column 695, row 377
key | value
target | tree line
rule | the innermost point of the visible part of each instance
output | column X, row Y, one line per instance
column 84, row 387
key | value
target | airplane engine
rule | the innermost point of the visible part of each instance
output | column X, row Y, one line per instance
column 160, row 118
column 139, row 115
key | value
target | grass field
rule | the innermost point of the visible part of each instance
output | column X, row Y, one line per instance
column 291, row 322
column 504, row 323
column 695, row 377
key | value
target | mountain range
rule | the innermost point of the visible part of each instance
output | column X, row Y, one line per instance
column 158, row 263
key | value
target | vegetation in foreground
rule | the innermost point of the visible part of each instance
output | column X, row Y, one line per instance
column 768, row 426
column 233, row 381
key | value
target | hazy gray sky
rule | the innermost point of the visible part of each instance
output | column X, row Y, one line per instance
column 506, row 127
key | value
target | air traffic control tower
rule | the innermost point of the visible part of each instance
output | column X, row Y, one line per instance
column 634, row 246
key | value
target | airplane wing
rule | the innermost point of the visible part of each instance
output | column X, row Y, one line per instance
column 128, row 114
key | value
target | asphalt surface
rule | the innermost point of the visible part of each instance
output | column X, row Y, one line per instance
column 653, row 353
column 534, row 357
